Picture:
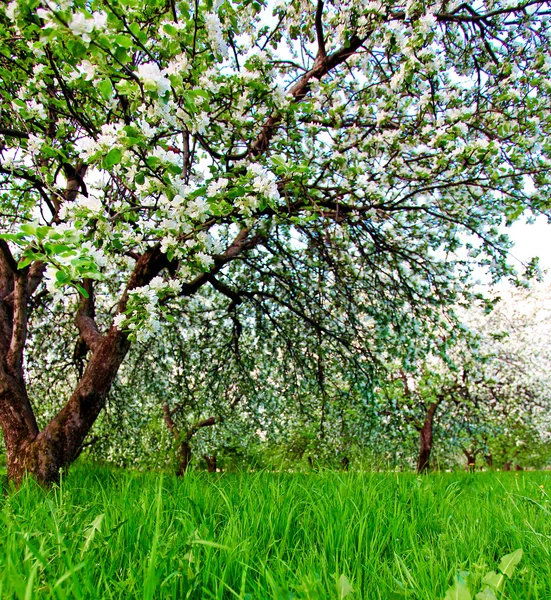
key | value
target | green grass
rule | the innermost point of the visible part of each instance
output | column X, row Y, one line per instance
column 114, row 534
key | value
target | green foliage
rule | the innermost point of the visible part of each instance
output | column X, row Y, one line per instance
column 493, row 582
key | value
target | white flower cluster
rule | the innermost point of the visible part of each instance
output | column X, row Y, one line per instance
column 150, row 74
column 264, row 182
column 214, row 32
column 80, row 24
column 143, row 318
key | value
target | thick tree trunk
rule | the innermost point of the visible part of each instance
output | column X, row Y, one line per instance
column 17, row 420
column 43, row 454
column 425, row 439
column 59, row 443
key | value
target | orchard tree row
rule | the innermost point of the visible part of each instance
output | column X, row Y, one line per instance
column 241, row 390
column 329, row 171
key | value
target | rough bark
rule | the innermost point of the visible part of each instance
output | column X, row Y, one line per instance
column 425, row 439
column 43, row 454
column 59, row 443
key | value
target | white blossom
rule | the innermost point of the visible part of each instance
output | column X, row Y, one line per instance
column 150, row 73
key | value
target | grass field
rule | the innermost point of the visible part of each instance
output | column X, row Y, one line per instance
column 114, row 534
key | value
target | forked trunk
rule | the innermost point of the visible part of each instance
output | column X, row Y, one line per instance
column 43, row 454
column 425, row 440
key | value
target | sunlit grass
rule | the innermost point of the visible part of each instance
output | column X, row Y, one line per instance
column 114, row 534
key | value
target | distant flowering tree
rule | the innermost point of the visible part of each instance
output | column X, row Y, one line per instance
column 149, row 146
column 508, row 414
column 490, row 398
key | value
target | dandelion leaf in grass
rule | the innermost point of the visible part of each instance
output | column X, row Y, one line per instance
column 91, row 530
column 344, row 587
column 493, row 579
column 486, row 594
column 509, row 562
column 458, row 591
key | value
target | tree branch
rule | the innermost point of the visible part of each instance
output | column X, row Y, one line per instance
column 6, row 257
column 319, row 30
column 86, row 323
column 19, row 331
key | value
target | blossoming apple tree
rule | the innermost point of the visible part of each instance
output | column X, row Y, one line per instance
column 490, row 398
column 148, row 146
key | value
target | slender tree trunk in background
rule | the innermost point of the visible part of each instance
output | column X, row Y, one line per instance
column 184, row 440
column 345, row 462
column 470, row 455
column 183, row 444
column 489, row 460
column 425, row 439
column 211, row 462
column 185, row 458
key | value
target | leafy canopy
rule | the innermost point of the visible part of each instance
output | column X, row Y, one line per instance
column 198, row 132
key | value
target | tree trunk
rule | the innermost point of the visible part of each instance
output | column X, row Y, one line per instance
column 184, row 441
column 58, row 444
column 470, row 455
column 185, row 458
column 425, row 440
column 42, row 454
column 211, row 463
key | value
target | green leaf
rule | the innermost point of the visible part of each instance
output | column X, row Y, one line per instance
column 42, row 232
column 458, row 591
column 486, row 594
column 81, row 290
column 170, row 29
column 106, row 88
column 509, row 562
column 124, row 41
column 344, row 587
column 27, row 260
column 77, row 48
column 28, row 229
column 91, row 530
column 153, row 161
column 493, row 579
column 112, row 158
column 122, row 55
column 61, row 277
column 124, row 87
